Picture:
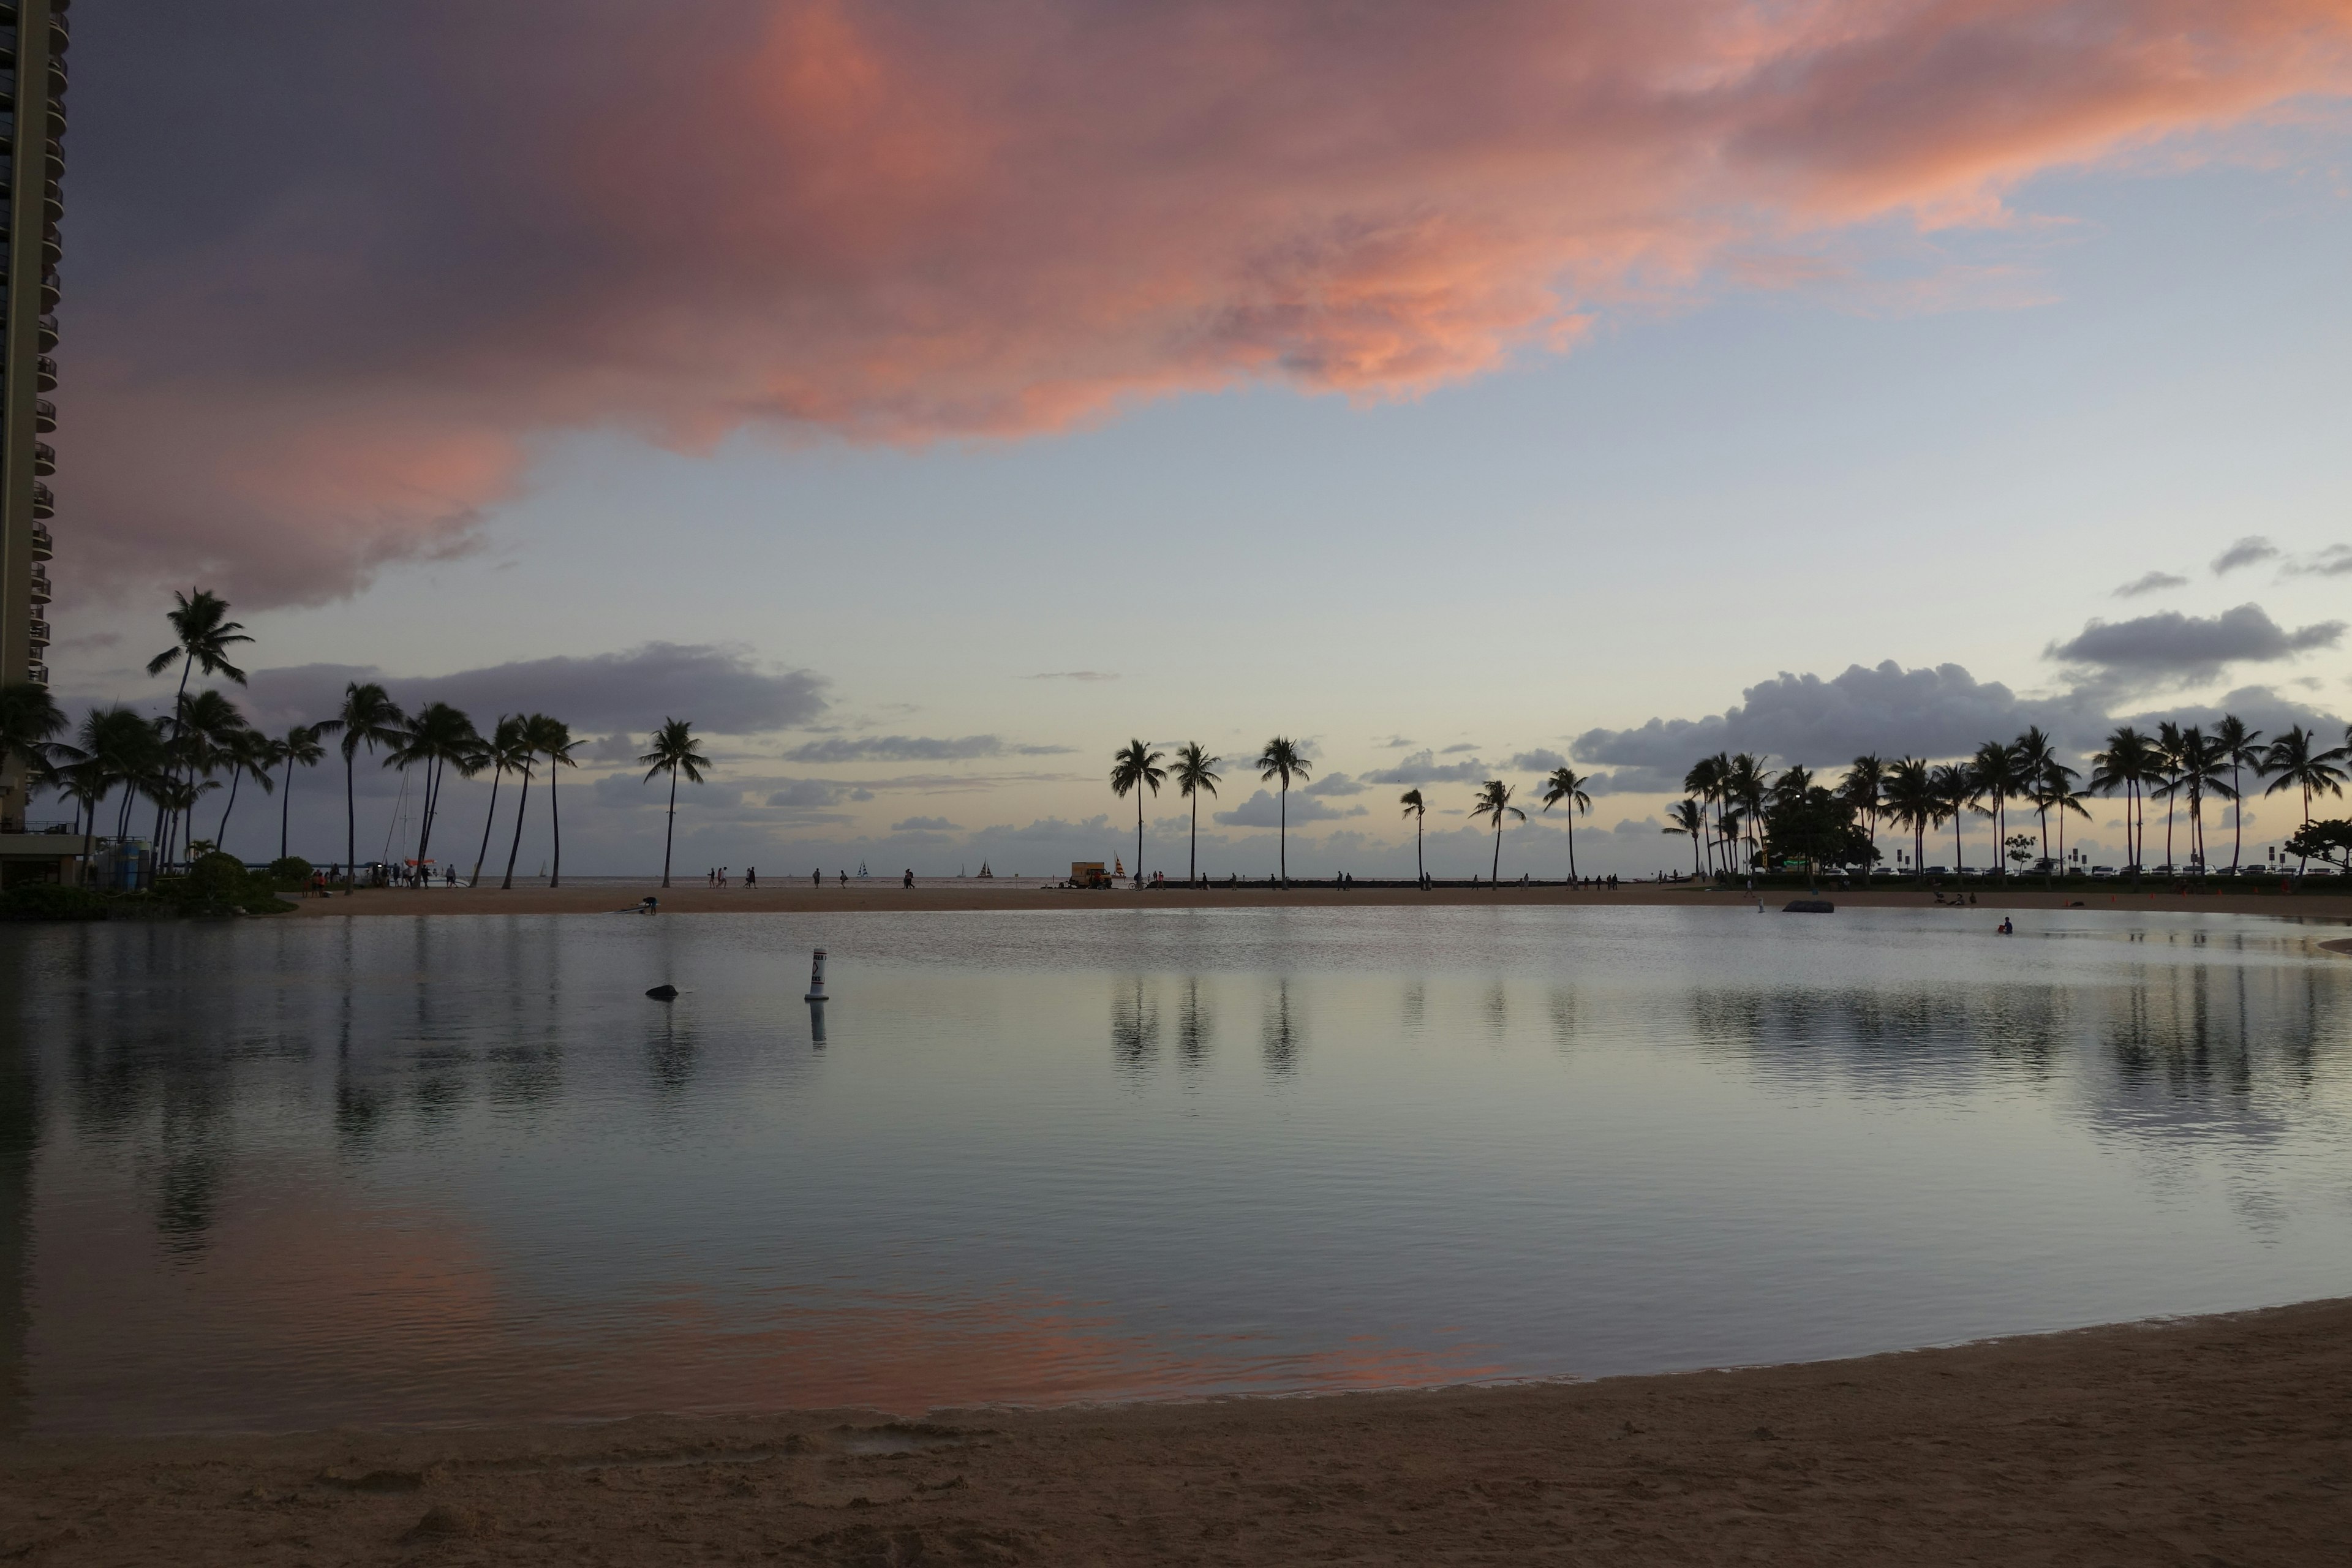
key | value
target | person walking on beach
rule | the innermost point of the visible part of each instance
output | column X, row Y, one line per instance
column 816, row 877
column 911, row 878
column 751, row 877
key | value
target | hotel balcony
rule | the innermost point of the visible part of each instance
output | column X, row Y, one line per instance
column 45, row 374
column 45, row 503
column 45, row 416
column 38, row 673
column 40, row 585
column 42, row 542
column 49, row 333
column 40, row 631
column 44, row 458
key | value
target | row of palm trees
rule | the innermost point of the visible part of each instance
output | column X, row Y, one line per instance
column 1135, row 769
column 1727, row 796
column 175, row 759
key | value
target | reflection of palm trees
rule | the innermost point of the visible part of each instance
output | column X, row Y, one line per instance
column 1134, row 1028
column 1195, row 1028
column 1283, row 1033
column 1563, row 1017
column 670, row 1056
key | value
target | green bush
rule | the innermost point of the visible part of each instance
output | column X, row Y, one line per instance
column 219, row 884
column 291, row 871
column 52, row 901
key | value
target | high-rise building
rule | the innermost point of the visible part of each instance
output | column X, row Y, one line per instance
column 32, row 162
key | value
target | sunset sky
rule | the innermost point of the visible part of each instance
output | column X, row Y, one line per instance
column 925, row 398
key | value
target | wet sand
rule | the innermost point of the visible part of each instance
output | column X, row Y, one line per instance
column 2207, row 1441
column 799, row 898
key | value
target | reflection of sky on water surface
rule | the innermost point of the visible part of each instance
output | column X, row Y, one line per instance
column 301, row 1174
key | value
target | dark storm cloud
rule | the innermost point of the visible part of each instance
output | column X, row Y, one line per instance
column 1335, row 783
column 2153, row 582
column 1886, row 710
column 721, row 691
column 2251, row 551
column 1423, row 767
column 912, row 748
column 1542, row 760
column 2190, row 647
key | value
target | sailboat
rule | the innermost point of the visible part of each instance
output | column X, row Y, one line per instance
column 985, row 872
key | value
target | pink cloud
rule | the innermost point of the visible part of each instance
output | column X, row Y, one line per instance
column 902, row 222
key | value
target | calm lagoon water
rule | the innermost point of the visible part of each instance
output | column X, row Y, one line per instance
column 294, row 1174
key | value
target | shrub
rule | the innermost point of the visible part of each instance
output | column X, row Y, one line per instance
column 291, row 871
column 52, row 901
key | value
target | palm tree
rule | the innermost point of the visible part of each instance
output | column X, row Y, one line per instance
column 202, row 635
column 1688, row 816
column 2058, row 794
column 29, row 717
column 1494, row 799
column 1956, row 788
column 2167, row 762
column 113, row 746
column 1567, row 784
column 1194, row 772
column 248, row 753
column 369, row 718
column 1416, row 808
column 1280, row 760
column 525, row 753
column 503, row 752
column 2125, row 764
column 2203, row 772
column 673, row 754
column 2299, row 767
column 1861, row 789
column 209, row 732
column 1136, row 766
column 437, row 735
column 552, row 738
column 1704, row 784
column 2241, row 749
column 1744, row 783
column 1998, row 778
column 298, row 747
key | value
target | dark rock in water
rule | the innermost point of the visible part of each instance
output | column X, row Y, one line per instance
column 663, row 992
column 1808, row 907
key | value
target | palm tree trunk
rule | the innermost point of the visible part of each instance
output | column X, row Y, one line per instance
column 484, row 853
column 1420, row 872
column 1571, row 841
column 351, row 828
column 286, row 809
column 522, row 809
column 432, row 795
column 2237, row 819
column 555, row 824
column 1498, row 852
column 1282, row 836
column 1193, row 859
column 669, row 832
column 1139, row 835
column 220, row 834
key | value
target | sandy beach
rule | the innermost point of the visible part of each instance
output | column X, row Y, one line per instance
column 2202, row 1441
column 798, row 898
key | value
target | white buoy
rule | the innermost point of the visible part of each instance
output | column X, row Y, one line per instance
column 816, row 978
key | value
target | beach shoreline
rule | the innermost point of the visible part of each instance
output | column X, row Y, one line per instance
column 2189, row 1440
column 619, row 895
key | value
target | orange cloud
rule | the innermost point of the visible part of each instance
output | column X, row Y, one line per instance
column 902, row 222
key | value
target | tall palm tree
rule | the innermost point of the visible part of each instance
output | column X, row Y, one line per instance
column 552, row 738
column 673, row 754
column 1998, row 779
column 1418, row 809
column 1567, row 784
column 115, row 746
column 1136, row 766
column 2241, row 749
column 2300, row 767
column 1281, row 760
column 208, row 735
column 298, row 747
column 1494, row 799
column 437, row 736
column 368, row 717
column 1745, row 786
column 1688, row 816
column 1957, row 790
column 2128, row 762
column 2204, row 771
column 2167, row 763
column 1704, row 784
column 247, row 754
column 503, row 752
column 2030, row 755
column 2058, row 794
column 1194, row 771
column 1861, row 789
column 201, row 635
column 526, row 752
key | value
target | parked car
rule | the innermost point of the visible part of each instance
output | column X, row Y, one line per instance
column 2103, row 870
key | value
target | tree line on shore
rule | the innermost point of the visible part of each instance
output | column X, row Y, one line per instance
column 204, row 744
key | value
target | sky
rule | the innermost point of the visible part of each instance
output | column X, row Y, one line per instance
column 925, row 399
